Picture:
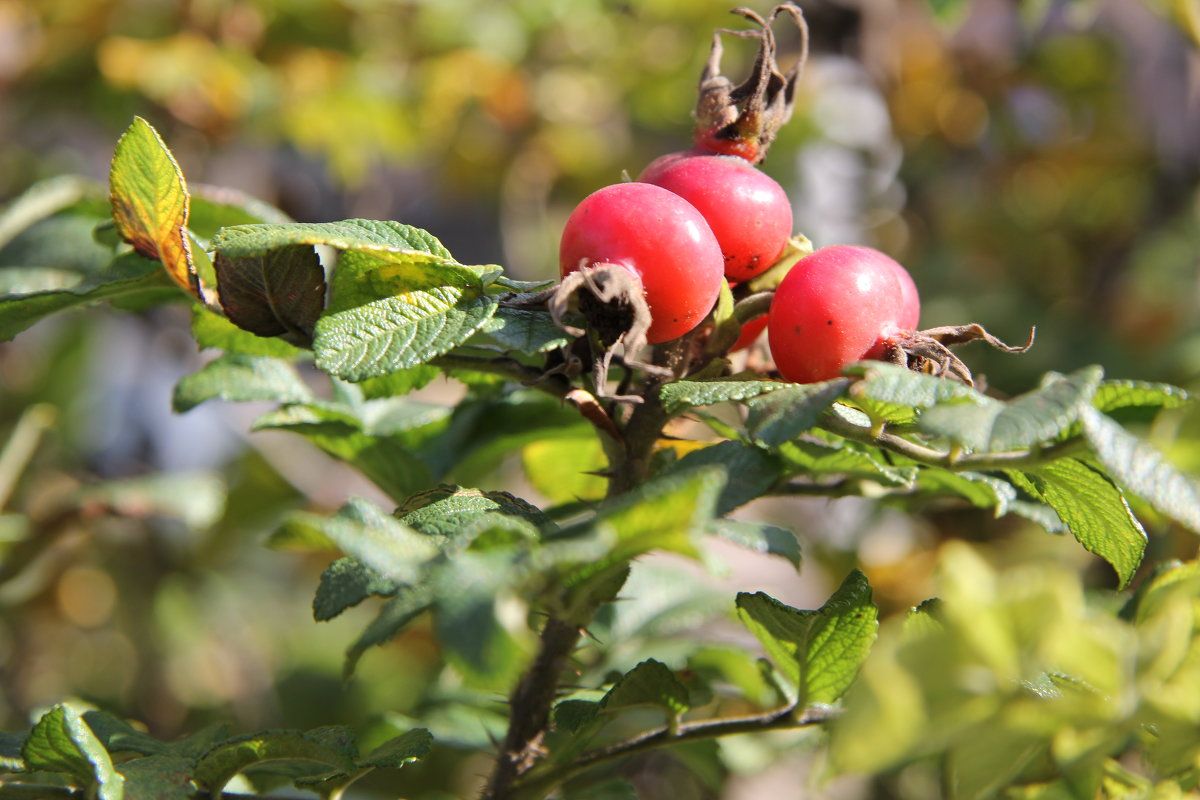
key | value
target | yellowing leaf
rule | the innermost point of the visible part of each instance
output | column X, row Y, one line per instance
column 150, row 203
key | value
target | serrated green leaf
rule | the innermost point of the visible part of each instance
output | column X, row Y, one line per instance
column 377, row 540
column 400, row 750
column 62, row 742
column 241, row 241
column 1092, row 508
column 1030, row 419
column 525, row 330
column 650, row 683
column 760, row 538
column 220, row 765
column 394, row 616
column 749, row 471
column 1143, row 471
column 276, row 293
column 344, row 584
column 819, row 651
column 213, row 330
column 388, row 314
column 783, row 415
column 681, row 395
column 158, row 778
column 239, row 378
column 128, row 277
column 150, row 203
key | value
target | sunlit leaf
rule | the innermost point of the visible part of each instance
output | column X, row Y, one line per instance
column 1092, row 508
column 61, row 741
column 409, row 244
column 679, row 396
column 150, row 203
column 819, row 651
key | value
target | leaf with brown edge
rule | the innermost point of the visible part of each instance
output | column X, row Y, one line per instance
column 150, row 203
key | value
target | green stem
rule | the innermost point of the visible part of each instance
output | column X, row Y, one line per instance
column 952, row 459
column 538, row 785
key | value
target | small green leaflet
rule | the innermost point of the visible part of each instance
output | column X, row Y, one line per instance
column 819, row 651
column 783, row 415
column 221, row 764
column 650, row 683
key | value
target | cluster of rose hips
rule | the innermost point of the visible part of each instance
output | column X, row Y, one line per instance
column 654, row 253
column 694, row 218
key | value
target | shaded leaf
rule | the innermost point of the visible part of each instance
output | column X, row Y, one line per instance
column 572, row 716
column 750, row 471
column 400, row 750
column 117, row 735
column 525, row 330
column 681, row 395
column 394, row 616
column 150, row 203
column 62, row 742
column 378, row 540
column 239, row 378
column 276, row 293
column 1142, row 471
column 220, row 765
column 216, row 207
column 346, row 583
column 42, row 200
column 1030, row 419
column 447, row 510
column 783, row 415
column 977, row 488
column 816, row 457
column 158, row 778
column 1092, row 508
column 819, row 651
column 760, row 538
column 650, row 683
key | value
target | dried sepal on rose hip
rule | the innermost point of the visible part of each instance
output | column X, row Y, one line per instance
column 743, row 120
column 643, row 264
column 846, row 303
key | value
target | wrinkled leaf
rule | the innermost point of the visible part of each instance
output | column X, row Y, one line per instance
column 750, row 471
column 783, row 415
column 62, row 742
column 220, row 765
column 242, row 241
column 276, row 293
column 1092, row 508
column 681, row 395
column 650, row 683
column 346, row 583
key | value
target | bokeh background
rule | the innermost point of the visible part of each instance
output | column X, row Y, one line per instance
column 1033, row 163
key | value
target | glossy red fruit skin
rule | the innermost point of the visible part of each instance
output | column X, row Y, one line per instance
column 658, row 236
column 839, row 305
column 748, row 211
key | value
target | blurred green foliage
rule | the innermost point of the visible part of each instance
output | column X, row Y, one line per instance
column 1039, row 167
